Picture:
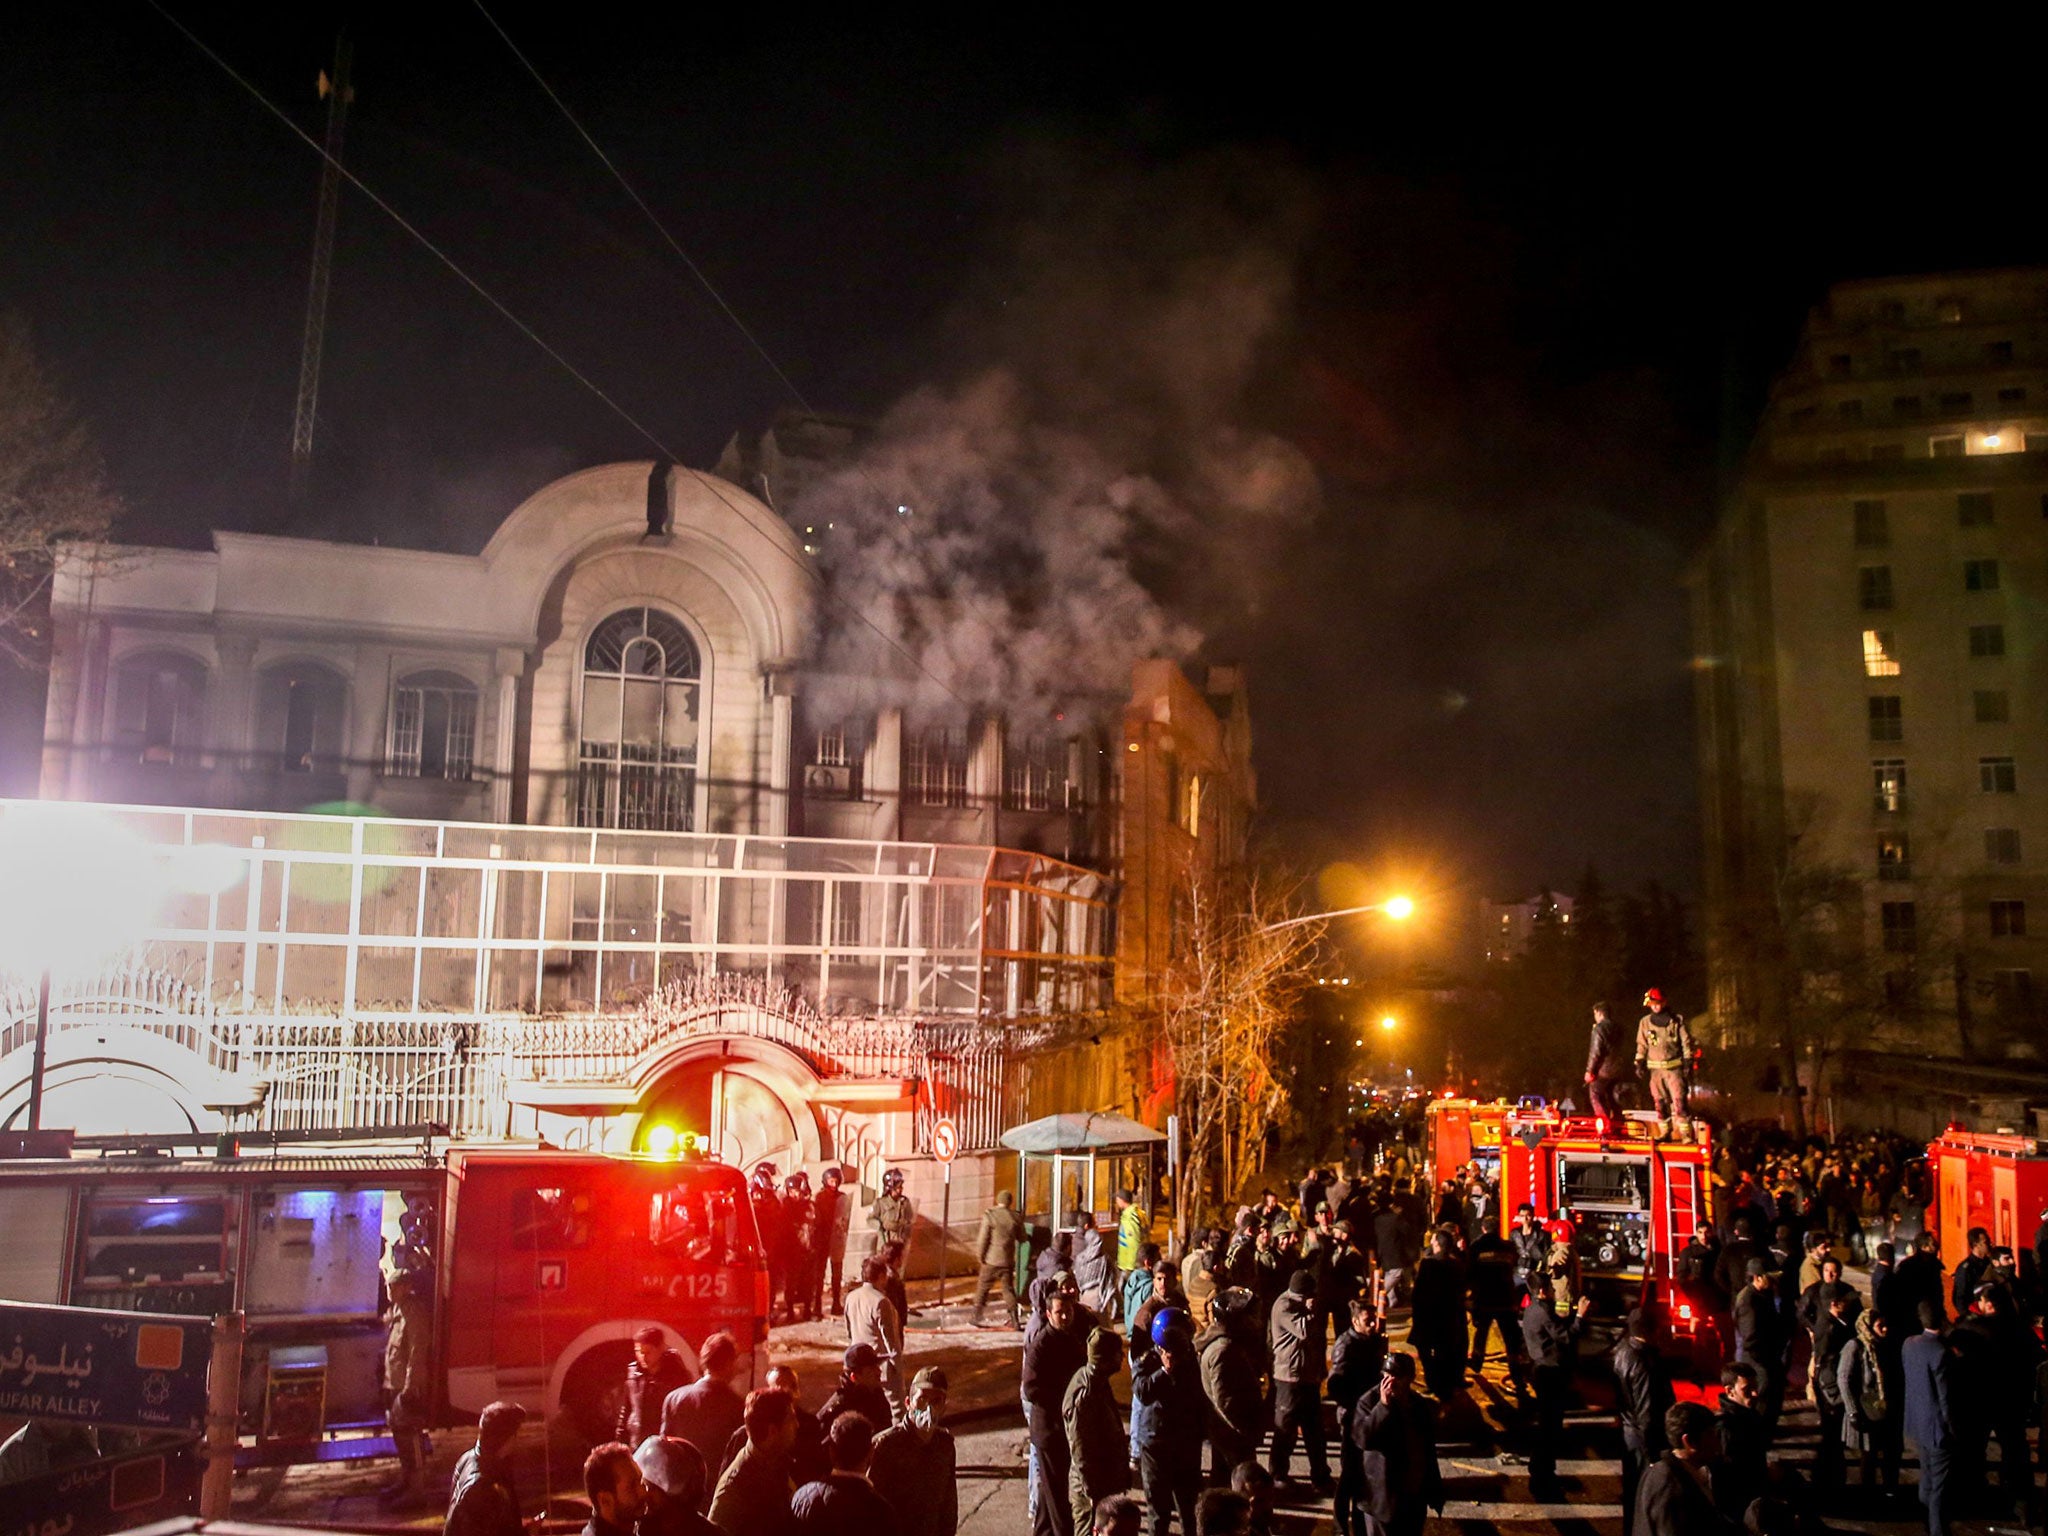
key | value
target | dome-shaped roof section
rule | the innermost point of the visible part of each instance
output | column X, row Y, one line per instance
column 714, row 525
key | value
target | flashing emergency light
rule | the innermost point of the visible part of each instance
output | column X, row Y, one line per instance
column 662, row 1140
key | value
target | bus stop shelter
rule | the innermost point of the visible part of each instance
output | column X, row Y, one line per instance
column 1067, row 1164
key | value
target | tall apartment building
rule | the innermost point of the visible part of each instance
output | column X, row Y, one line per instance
column 1870, row 624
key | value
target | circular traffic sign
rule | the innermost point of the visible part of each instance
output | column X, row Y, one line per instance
column 945, row 1141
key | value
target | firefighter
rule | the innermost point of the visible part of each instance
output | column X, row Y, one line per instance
column 892, row 1214
column 1607, row 1066
column 409, row 1281
column 1665, row 1047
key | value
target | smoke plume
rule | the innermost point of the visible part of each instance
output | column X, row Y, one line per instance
column 1094, row 484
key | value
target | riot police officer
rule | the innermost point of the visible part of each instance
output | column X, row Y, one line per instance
column 768, row 1223
column 799, row 1247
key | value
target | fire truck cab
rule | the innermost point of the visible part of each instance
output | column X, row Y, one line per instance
column 543, row 1264
column 1456, row 1132
column 1631, row 1201
column 1997, row 1182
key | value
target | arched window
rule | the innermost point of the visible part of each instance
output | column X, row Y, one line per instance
column 637, row 757
column 433, row 726
column 302, row 716
column 159, row 708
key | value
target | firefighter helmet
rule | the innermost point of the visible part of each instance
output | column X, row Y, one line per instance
column 1653, row 998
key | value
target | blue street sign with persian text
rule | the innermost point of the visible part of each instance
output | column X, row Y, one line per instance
column 129, row 1370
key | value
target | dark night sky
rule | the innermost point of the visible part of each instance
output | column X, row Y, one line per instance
column 1538, row 286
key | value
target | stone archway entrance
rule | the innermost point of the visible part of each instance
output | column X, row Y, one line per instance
column 751, row 1106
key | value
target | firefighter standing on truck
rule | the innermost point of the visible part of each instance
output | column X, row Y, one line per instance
column 1664, row 1047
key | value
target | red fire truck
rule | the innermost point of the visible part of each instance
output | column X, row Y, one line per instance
column 1460, row 1131
column 1997, row 1182
column 545, row 1263
column 1632, row 1203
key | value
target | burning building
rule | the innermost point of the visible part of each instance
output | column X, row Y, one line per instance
column 578, row 836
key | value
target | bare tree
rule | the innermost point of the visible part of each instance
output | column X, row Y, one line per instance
column 53, row 488
column 1812, row 974
column 1237, row 976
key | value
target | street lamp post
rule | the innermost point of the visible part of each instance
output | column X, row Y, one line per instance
column 1399, row 908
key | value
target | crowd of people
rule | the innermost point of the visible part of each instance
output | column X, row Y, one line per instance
column 1270, row 1331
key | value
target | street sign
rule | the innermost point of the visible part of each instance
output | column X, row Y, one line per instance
column 84, row 1365
column 945, row 1141
column 115, row 1493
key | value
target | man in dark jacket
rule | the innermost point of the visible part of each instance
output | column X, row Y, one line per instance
column 1051, row 1357
column 1295, row 1337
column 913, row 1464
column 1551, row 1343
column 1233, row 1363
column 674, row 1476
column 655, row 1371
column 708, row 1410
column 1970, row 1272
column 1097, row 1444
column 1673, row 1499
column 844, row 1502
column 753, row 1493
column 481, row 1499
column 1490, row 1266
column 1917, row 1279
column 1396, row 1438
column 996, row 1247
column 1356, row 1365
column 1437, row 1328
column 1742, row 1473
column 1761, row 1335
column 1642, row 1396
column 617, row 1492
column 1926, row 1370
column 1532, row 1250
column 1731, row 1270
column 1608, row 1065
column 1171, row 1408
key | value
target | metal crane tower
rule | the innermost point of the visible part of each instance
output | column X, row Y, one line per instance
column 339, row 94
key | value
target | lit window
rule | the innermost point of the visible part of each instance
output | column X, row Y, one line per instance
column 1987, row 639
column 1980, row 575
column 1888, row 784
column 1993, row 706
column 433, row 727
column 2002, row 845
column 1974, row 509
column 1879, row 659
column 637, row 741
column 1894, row 860
column 1874, row 586
column 2008, row 919
column 1887, row 719
column 1997, row 776
column 1900, row 928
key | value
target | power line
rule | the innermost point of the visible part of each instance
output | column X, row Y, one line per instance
column 641, row 203
column 668, row 455
column 994, row 624
column 412, row 229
